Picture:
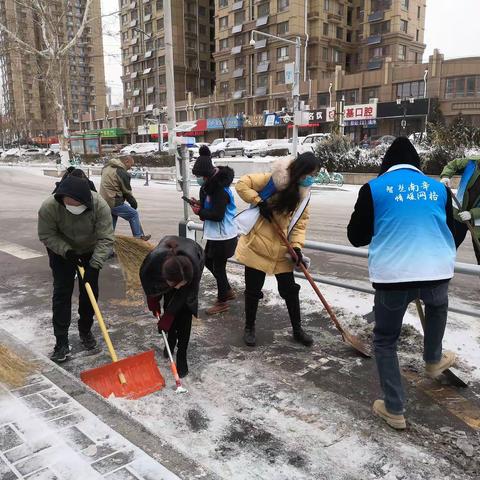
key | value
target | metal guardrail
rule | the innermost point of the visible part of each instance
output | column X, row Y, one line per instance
column 462, row 268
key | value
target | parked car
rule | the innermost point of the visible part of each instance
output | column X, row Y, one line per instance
column 193, row 151
column 221, row 140
column 383, row 140
column 11, row 152
column 54, row 149
column 231, row 148
column 145, row 147
column 31, row 151
column 257, row 148
column 310, row 141
column 109, row 148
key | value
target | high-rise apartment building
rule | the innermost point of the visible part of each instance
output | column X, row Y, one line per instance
column 143, row 52
column 357, row 35
column 26, row 100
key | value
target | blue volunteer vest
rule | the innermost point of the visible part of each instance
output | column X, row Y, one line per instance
column 411, row 240
column 227, row 228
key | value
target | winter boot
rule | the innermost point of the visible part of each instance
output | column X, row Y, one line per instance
column 218, row 307
column 145, row 238
column 251, row 307
column 434, row 370
column 61, row 352
column 395, row 421
column 88, row 340
column 230, row 295
column 299, row 334
column 182, row 365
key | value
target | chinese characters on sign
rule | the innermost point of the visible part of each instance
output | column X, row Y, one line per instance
column 412, row 192
column 361, row 112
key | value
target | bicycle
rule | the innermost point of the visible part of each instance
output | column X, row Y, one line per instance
column 325, row 178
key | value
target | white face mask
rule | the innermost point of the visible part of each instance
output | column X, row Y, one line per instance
column 76, row 210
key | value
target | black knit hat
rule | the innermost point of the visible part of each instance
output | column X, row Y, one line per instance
column 401, row 151
column 203, row 166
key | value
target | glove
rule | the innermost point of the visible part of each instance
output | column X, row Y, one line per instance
column 165, row 322
column 465, row 216
column 73, row 257
column 154, row 306
column 265, row 211
column 91, row 275
column 299, row 256
column 131, row 200
column 446, row 181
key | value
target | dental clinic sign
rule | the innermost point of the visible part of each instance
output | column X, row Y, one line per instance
column 360, row 114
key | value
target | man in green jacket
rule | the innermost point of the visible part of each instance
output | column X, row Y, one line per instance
column 115, row 189
column 75, row 225
column 468, row 195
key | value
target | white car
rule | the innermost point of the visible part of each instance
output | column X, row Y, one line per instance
column 221, row 140
column 54, row 149
column 310, row 141
column 194, row 151
column 146, row 147
column 230, row 148
column 12, row 152
column 257, row 148
column 31, row 151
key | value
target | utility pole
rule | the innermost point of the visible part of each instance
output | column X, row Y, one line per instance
column 296, row 96
column 169, row 77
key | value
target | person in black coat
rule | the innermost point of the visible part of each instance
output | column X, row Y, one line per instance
column 75, row 172
column 217, row 210
column 173, row 271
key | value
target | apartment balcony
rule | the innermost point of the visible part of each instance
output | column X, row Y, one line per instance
column 335, row 42
column 312, row 16
column 313, row 40
column 237, row 6
column 376, row 16
column 375, row 64
column 335, row 18
column 374, row 39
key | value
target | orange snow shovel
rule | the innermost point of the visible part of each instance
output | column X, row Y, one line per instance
column 352, row 340
column 131, row 377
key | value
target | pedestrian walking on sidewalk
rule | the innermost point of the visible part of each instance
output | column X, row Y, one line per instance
column 283, row 196
column 115, row 188
column 75, row 225
column 217, row 210
column 173, row 271
column 468, row 195
column 407, row 219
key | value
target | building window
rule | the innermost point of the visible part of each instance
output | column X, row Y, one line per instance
column 379, row 5
column 337, row 56
column 203, row 47
column 202, row 11
column 419, row 12
column 282, row 54
column 224, row 87
column 263, row 10
column 239, row 62
column 463, row 87
column 240, row 84
column 326, row 5
column 378, row 52
column 283, row 5
column 368, row 93
column 223, row 44
column 262, row 80
column 351, row 96
column 202, row 29
column 323, row 99
column 238, row 40
column 402, row 52
column 325, row 53
column 379, row 28
column 410, row 89
column 404, row 26
column 262, row 57
column 417, row 36
column 340, row 33
column 223, row 22
column 223, row 66
column 160, row 24
column 239, row 18
column 261, row 106
column 282, row 28
column 405, row 4
column 222, row 3
column 280, row 77
column 325, row 29
column 203, row 65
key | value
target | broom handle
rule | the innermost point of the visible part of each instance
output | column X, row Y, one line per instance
column 309, row 278
column 173, row 367
column 467, row 223
column 421, row 313
column 101, row 322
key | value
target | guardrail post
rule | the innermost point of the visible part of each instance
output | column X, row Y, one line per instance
column 185, row 230
column 147, row 178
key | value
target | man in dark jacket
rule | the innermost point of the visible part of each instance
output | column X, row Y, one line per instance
column 217, row 210
column 75, row 225
column 407, row 219
column 115, row 189
column 173, row 271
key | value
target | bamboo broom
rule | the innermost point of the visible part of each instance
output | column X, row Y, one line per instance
column 14, row 370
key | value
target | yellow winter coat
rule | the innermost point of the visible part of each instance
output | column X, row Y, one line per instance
column 262, row 248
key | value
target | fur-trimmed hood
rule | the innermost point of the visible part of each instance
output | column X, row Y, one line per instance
column 281, row 175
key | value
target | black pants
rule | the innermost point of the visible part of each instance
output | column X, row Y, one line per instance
column 63, row 283
column 217, row 254
column 461, row 230
column 287, row 288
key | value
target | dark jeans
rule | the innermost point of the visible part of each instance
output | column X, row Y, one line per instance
column 461, row 230
column 63, row 283
column 287, row 288
column 130, row 215
column 390, row 308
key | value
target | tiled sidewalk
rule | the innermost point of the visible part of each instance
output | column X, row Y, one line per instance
column 47, row 435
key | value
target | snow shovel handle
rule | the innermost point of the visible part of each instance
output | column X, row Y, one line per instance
column 101, row 322
column 292, row 252
column 467, row 223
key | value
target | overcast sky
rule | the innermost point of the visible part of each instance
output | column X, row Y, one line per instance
column 451, row 26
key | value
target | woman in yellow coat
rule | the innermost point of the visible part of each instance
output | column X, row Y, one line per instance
column 282, row 195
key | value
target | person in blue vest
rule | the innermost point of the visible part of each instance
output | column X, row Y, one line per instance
column 217, row 210
column 468, row 195
column 407, row 219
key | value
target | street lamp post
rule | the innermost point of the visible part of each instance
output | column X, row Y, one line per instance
column 403, row 104
column 296, row 84
column 425, row 77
